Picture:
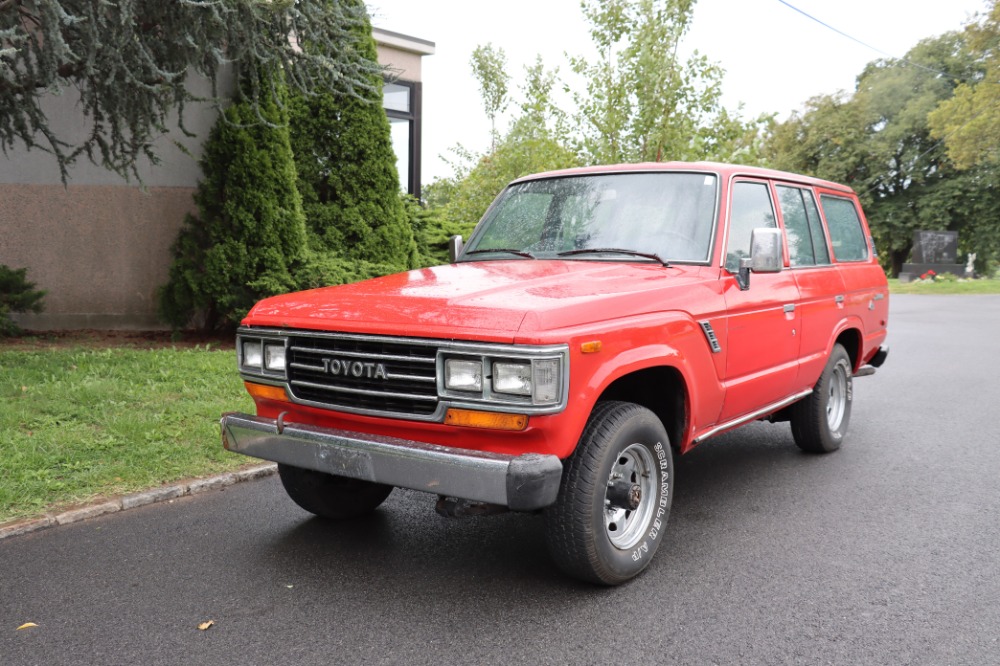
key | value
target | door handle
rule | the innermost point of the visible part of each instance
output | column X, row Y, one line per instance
column 790, row 308
column 839, row 299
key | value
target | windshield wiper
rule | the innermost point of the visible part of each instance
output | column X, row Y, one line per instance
column 520, row 253
column 619, row 250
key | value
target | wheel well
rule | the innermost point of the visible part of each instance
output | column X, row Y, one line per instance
column 851, row 341
column 660, row 390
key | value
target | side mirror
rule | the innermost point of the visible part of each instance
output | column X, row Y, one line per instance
column 765, row 255
column 454, row 248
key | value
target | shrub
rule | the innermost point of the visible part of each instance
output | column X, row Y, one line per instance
column 431, row 230
column 249, row 236
column 347, row 174
column 16, row 295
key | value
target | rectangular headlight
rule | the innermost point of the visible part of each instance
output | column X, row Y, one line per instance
column 253, row 358
column 274, row 357
column 545, row 381
column 514, row 378
column 463, row 375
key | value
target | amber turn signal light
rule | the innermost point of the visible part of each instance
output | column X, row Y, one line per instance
column 493, row 420
column 264, row 392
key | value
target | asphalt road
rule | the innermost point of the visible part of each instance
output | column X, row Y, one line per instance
column 885, row 552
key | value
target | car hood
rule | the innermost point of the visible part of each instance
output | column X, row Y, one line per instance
column 486, row 300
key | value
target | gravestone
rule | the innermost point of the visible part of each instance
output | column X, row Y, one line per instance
column 934, row 251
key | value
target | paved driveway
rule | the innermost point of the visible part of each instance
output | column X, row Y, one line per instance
column 886, row 552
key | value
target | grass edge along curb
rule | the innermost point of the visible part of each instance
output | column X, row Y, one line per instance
column 104, row 506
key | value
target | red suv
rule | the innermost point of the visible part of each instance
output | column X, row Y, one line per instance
column 598, row 322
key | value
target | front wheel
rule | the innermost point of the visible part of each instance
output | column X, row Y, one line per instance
column 819, row 421
column 330, row 496
column 615, row 496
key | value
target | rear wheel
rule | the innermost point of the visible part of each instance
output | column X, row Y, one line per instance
column 615, row 496
column 820, row 420
column 331, row 496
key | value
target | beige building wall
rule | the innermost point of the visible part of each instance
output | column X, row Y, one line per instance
column 100, row 246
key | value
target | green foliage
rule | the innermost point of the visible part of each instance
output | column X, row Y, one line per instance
column 878, row 140
column 536, row 141
column 969, row 122
column 642, row 102
column 249, row 236
column 16, row 295
column 431, row 230
column 347, row 176
column 130, row 62
column 489, row 68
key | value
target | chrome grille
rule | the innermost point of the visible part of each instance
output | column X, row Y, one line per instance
column 364, row 374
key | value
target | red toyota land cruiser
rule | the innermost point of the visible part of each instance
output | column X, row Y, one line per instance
column 598, row 322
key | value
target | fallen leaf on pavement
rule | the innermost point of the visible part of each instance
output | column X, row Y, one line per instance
column 27, row 625
column 205, row 625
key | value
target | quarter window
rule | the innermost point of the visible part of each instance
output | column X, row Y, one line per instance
column 750, row 210
column 846, row 233
column 806, row 241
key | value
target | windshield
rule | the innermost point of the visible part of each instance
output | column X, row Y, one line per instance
column 630, row 216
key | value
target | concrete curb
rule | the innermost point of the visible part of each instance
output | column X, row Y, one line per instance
column 126, row 502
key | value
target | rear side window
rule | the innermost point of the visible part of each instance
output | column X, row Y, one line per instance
column 846, row 234
column 803, row 228
column 751, row 209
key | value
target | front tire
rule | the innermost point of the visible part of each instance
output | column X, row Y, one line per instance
column 820, row 420
column 330, row 496
column 614, row 500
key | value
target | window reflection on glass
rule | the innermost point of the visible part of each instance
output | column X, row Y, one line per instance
column 396, row 97
column 793, row 211
column 846, row 234
column 751, row 209
column 400, row 133
column 671, row 215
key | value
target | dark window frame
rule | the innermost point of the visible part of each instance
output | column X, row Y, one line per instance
column 414, row 118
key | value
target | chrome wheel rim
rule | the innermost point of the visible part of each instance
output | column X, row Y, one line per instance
column 636, row 466
column 836, row 404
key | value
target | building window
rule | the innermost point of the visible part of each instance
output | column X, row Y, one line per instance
column 402, row 101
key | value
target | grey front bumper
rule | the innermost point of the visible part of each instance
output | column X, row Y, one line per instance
column 522, row 483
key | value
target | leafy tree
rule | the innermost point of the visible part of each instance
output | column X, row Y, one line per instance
column 249, row 237
column 969, row 122
column 129, row 62
column 878, row 140
column 536, row 141
column 347, row 176
column 644, row 103
column 489, row 68
column 16, row 295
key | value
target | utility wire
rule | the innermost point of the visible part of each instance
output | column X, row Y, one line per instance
column 867, row 46
column 937, row 144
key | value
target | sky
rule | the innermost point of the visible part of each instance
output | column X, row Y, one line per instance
column 775, row 58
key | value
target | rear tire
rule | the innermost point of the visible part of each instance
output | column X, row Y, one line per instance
column 820, row 420
column 615, row 496
column 330, row 496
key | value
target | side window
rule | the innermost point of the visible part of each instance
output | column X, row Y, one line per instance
column 846, row 234
column 751, row 208
column 806, row 241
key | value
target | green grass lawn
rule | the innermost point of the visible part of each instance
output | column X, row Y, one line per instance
column 982, row 286
column 79, row 423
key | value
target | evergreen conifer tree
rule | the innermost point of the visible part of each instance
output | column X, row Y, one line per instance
column 348, row 179
column 249, row 236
